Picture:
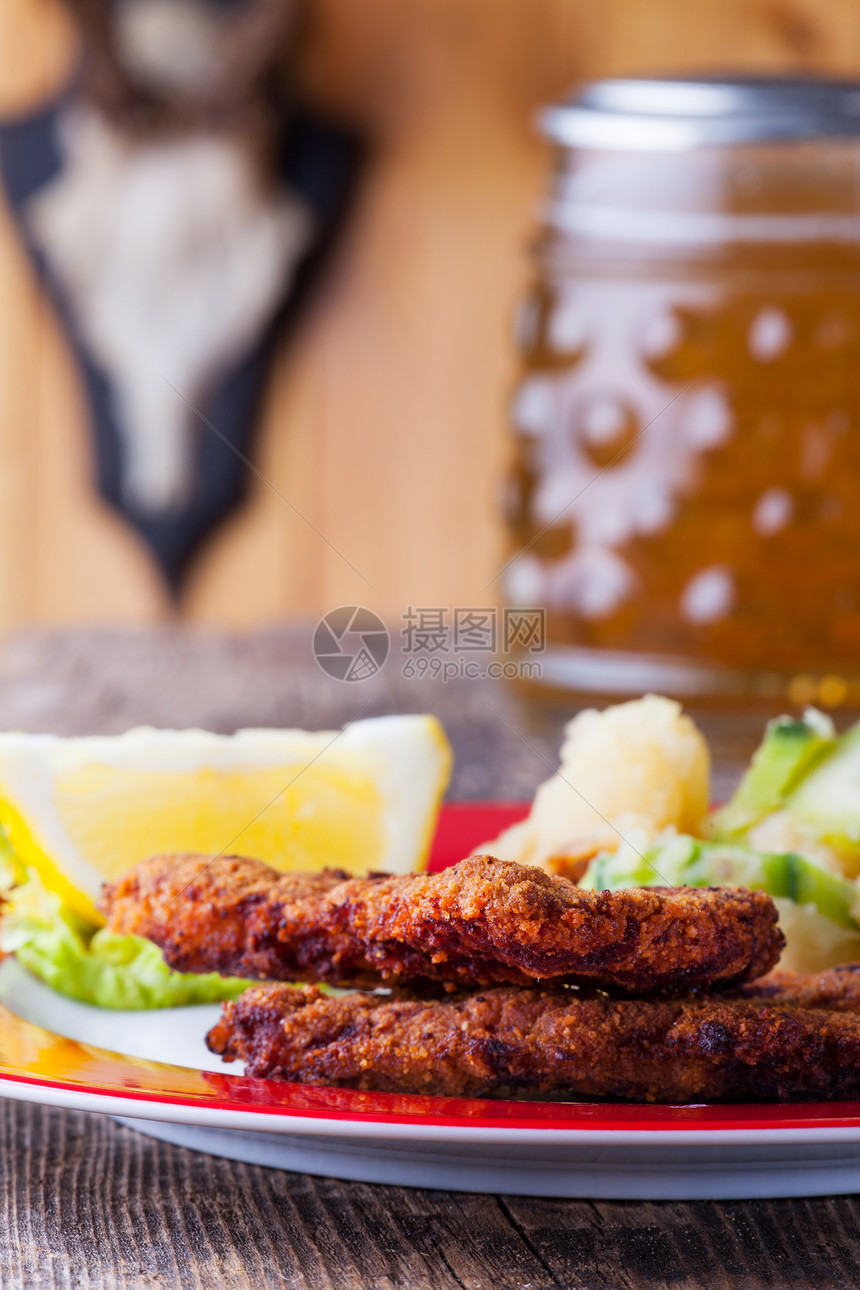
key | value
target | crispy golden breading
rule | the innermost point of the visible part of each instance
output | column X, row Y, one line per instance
column 511, row 1038
column 479, row 922
column 836, row 989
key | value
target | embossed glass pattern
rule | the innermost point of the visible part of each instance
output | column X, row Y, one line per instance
column 685, row 490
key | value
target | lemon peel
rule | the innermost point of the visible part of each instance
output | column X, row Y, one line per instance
column 82, row 811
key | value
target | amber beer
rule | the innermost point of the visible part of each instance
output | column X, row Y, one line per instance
column 685, row 491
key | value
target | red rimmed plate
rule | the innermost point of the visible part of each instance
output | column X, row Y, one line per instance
column 54, row 1051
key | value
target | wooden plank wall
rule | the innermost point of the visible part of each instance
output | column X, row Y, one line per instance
column 385, row 418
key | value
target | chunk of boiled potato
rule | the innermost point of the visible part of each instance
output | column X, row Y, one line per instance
column 641, row 765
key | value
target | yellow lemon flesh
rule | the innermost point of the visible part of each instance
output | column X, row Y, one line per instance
column 83, row 811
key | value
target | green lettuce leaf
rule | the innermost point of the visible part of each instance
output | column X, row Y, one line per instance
column 93, row 965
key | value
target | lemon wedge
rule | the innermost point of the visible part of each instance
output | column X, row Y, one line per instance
column 83, row 811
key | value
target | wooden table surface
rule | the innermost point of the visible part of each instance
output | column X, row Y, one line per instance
column 85, row 1202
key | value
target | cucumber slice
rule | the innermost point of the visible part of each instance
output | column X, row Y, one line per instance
column 666, row 865
column 689, row 862
column 788, row 752
column 826, row 802
column 798, row 879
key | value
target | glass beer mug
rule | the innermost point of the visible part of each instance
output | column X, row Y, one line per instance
column 685, row 494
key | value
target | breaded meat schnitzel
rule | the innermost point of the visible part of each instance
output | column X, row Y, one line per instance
column 836, row 989
column 479, row 922
column 514, row 1038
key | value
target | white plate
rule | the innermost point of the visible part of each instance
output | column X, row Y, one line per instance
column 52, row 1051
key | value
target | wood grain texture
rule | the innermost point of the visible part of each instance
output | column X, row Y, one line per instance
column 384, row 425
column 85, row 1202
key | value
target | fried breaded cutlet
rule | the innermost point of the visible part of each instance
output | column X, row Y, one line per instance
column 510, row 1038
column 479, row 922
column 836, row 989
